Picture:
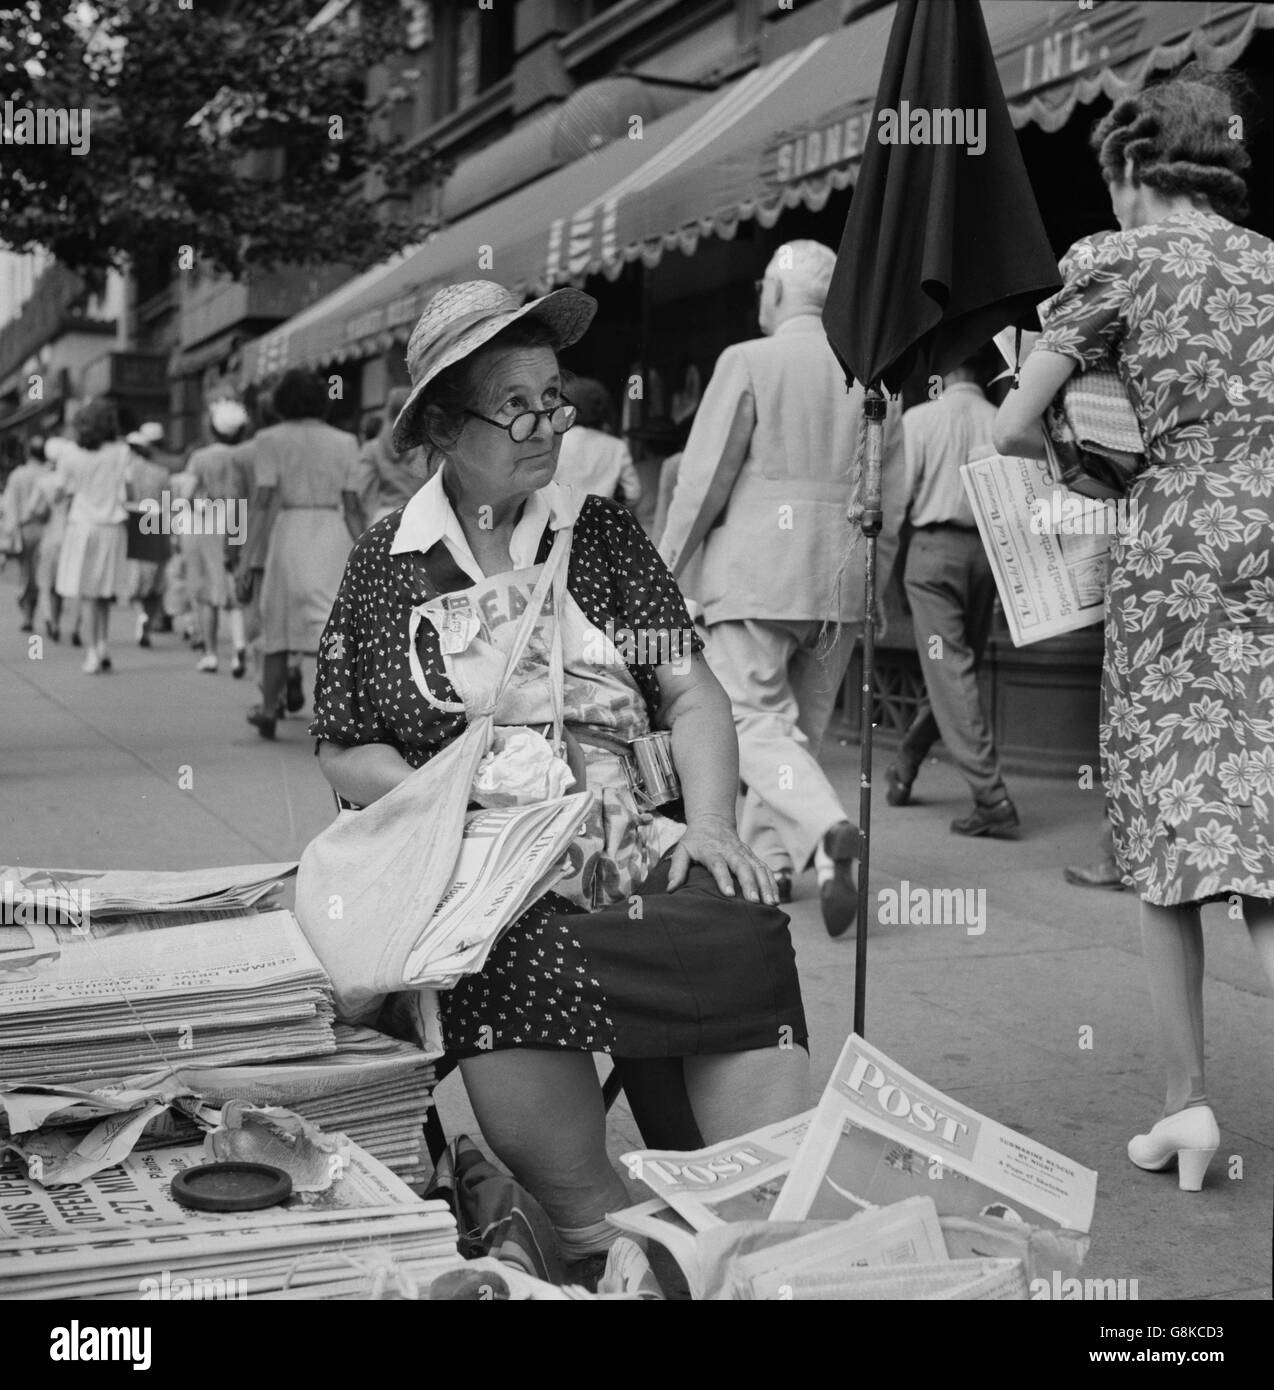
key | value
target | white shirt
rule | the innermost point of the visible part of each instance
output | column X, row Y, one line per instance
column 429, row 518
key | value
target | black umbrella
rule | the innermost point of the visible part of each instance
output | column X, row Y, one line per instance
column 943, row 247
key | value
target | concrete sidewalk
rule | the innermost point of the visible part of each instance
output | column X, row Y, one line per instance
column 154, row 766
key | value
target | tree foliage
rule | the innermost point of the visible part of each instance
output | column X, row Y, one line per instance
column 229, row 128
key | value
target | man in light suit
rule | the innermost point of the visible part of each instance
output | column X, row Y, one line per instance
column 758, row 535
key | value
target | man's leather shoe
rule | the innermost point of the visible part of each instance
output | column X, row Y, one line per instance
column 1104, row 874
column 839, row 894
column 897, row 787
column 988, row 820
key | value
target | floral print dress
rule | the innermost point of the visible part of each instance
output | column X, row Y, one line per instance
column 1186, row 308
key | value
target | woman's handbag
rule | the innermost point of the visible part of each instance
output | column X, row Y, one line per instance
column 150, row 545
column 371, row 881
column 1093, row 437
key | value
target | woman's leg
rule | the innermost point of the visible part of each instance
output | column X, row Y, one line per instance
column 655, row 1089
column 734, row 1092
column 100, row 623
column 208, row 612
column 1258, row 913
column 274, row 674
column 1172, row 947
column 542, row 1114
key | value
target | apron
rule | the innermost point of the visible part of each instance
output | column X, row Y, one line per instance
column 601, row 705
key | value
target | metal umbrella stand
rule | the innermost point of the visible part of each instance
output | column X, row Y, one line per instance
column 870, row 521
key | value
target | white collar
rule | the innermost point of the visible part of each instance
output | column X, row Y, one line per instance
column 429, row 518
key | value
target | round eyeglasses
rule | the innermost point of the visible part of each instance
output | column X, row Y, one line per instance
column 560, row 417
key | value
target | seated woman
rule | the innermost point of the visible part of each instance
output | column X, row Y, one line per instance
column 648, row 951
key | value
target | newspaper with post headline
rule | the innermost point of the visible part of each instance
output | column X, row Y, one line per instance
column 1048, row 548
column 738, row 1180
column 880, row 1134
column 509, row 856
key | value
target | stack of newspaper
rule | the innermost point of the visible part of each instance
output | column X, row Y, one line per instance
column 106, row 1000
column 373, row 1088
column 120, row 1235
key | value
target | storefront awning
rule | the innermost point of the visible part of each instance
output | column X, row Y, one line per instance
column 806, row 139
column 786, row 135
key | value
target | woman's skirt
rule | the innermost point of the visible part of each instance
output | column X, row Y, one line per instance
column 94, row 561
column 658, row 974
column 303, row 569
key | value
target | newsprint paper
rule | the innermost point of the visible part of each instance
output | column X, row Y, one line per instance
column 880, row 1135
column 1048, row 548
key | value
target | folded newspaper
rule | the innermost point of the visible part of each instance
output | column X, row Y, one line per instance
column 1049, row 548
column 510, row 855
column 47, row 897
column 738, row 1180
column 880, row 1134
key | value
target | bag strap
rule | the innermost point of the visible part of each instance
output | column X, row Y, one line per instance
column 555, row 564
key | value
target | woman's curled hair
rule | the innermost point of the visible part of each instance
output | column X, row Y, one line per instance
column 1180, row 137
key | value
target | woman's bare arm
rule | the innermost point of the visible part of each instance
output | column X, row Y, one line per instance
column 1017, row 431
column 362, row 773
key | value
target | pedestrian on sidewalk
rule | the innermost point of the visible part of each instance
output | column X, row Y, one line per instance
column 951, row 591
column 305, row 517
column 387, row 479
column 592, row 458
column 758, row 534
column 147, row 482
column 1187, row 737
column 51, row 551
column 217, row 489
column 93, row 563
column 24, row 511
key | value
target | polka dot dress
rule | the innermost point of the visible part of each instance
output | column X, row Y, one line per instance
column 540, row 986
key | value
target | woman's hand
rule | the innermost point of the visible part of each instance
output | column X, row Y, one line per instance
column 714, row 843
column 245, row 585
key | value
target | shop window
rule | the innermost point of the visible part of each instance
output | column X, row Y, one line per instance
column 472, row 50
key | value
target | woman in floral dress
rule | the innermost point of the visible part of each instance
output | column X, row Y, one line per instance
column 1182, row 300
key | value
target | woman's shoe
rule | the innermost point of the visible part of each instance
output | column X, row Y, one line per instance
column 104, row 657
column 53, row 631
column 295, row 691
column 75, row 640
column 92, row 662
column 240, row 663
column 207, row 663
column 1190, row 1136
column 265, row 725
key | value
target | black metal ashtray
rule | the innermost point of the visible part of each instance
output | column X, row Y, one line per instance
column 231, row 1187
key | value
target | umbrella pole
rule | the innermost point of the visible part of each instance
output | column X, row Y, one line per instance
column 874, row 407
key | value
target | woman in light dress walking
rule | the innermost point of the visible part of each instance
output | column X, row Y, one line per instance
column 305, row 516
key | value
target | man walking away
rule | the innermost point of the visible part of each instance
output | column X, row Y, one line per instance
column 758, row 534
column 952, row 594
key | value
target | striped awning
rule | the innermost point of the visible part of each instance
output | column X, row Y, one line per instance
column 786, row 135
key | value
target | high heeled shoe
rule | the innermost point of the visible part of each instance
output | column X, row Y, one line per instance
column 1190, row 1136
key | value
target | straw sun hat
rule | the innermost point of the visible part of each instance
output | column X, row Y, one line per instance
column 459, row 319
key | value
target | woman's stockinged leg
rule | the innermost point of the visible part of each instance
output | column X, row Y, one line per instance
column 734, row 1092
column 1258, row 913
column 1172, row 947
column 542, row 1114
